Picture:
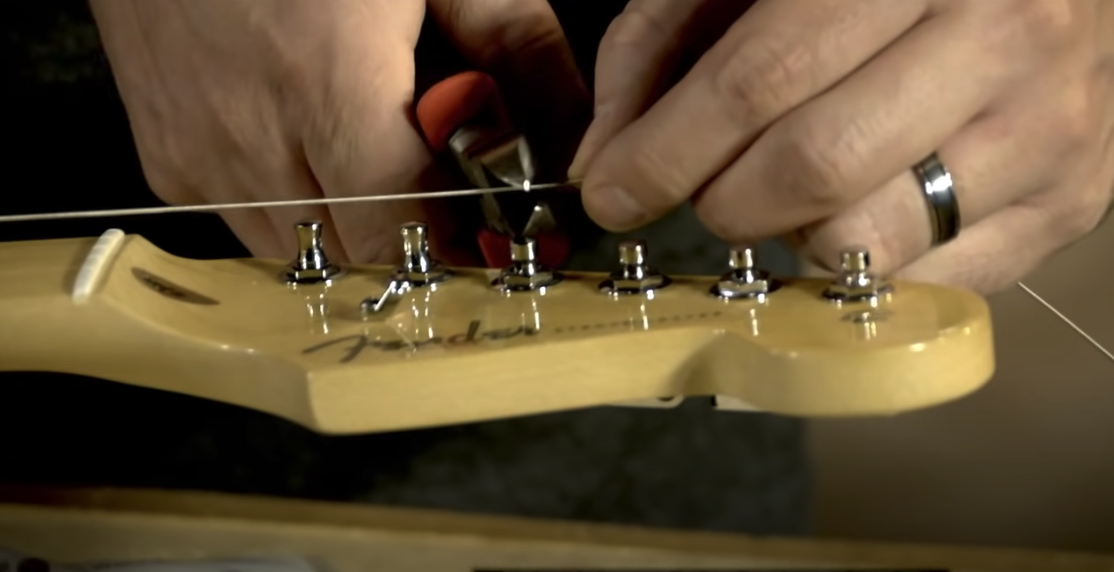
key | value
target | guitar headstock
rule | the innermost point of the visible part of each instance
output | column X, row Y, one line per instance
column 372, row 348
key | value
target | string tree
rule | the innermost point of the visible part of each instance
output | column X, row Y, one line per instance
column 635, row 275
column 418, row 269
column 311, row 265
column 855, row 282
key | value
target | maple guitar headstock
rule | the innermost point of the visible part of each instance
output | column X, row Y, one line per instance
column 372, row 348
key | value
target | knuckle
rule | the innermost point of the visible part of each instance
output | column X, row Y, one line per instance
column 1083, row 218
column 817, row 167
column 1077, row 123
column 165, row 169
column 633, row 28
column 761, row 81
column 1031, row 25
column 1050, row 23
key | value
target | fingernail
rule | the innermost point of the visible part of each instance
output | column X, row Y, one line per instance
column 613, row 208
column 591, row 142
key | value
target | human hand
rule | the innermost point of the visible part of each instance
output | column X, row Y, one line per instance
column 254, row 100
column 805, row 118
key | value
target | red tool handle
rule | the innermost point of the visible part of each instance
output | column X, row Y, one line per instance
column 450, row 105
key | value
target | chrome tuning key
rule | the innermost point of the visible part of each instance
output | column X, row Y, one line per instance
column 418, row 269
column 525, row 272
column 634, row 276
column 855, row 282
column 745, row 280
column 311, row 266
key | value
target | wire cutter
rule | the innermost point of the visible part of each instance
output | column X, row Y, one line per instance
column 465, row 115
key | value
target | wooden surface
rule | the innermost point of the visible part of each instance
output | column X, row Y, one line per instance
column 229, row 330
column 118, row 525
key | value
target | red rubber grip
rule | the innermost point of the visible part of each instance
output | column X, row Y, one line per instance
column 456, row 101
column 553, row 248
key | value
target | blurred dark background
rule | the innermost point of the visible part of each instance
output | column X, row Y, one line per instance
column 68, row 147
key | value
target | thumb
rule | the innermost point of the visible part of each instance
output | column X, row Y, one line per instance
column 644, row 50
column 521, row 44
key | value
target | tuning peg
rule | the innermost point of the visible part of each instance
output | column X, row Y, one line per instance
column 418, row 268
column 855, row 282
column 745, row 280
column 311, row 265
column 634, row 276
column 525, row 272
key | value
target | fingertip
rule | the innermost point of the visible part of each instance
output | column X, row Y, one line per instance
column 613, row 208
column 599, row 131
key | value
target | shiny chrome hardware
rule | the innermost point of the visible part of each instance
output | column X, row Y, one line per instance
column 541, row 220
column 634, row 276
column 418, row 269
column 525, row 273
column 855, row 283
column 311, row 266
column 745, row 280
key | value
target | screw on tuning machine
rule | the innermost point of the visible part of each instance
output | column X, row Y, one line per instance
column 525, row 272
column 418, row 269
column 311, row 266
column 745, row 280
column 634, row 276
column 855, row 283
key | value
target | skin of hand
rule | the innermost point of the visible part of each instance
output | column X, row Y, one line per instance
column 805, row 117
column 259, row 100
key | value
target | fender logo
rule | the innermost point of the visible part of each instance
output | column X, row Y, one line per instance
column 355, row 345
column 171, row 290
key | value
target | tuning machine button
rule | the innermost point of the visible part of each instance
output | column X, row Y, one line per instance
column 525, row 272
column 418, row 269
column 634, row 276
column 745, row 280
column 855, row 282
column 311, row 265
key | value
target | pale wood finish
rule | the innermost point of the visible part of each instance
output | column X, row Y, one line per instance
column 79, row 526
column 229, row 330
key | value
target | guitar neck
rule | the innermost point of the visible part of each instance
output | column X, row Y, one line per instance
column 464, row 349
column 67, row 309
column 36, row 287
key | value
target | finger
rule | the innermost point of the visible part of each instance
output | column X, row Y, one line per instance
column 989, row 256
column 286, row 176
column 834, row 150
column 360, row 140
column 521, row 44
column 1013, row 242
column 994, row 162
column 778, row 55
column 254, row 230
column 639, row 52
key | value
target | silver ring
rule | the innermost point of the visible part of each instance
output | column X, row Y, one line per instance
column 939, row 192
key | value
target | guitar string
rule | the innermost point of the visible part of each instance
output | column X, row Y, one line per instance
column 286, row 203
column 410, row 196
column 1067, row 321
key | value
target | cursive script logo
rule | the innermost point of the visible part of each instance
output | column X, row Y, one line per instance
column 352, row 346
column 171, row 290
